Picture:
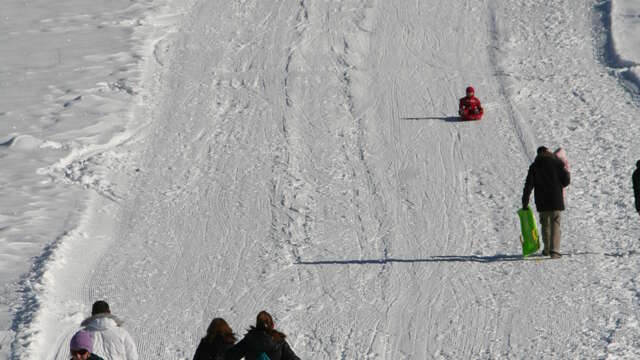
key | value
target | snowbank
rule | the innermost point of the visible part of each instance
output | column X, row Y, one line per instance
column 625, row 34
column 70, row 72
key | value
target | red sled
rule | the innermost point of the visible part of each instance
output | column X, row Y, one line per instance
column 467, row 115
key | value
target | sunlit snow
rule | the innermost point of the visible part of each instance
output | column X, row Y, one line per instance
column 199, row 159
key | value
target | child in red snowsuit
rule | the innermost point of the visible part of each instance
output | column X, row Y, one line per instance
column 470, row 108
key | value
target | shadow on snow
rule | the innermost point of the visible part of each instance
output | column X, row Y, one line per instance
column 456, row 259
column 444, row 258
column 443, row 118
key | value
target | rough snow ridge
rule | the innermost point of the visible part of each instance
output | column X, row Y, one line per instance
column 68, row 68
column 624, row 26
column 33, row 331
column 43, row 319
column 31, row 289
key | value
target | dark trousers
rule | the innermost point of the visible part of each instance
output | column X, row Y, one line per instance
column 550, row 227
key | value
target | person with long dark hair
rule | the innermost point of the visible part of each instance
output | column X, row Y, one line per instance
column 218, row 340
column 262, row 340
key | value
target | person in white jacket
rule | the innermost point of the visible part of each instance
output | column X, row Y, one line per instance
column 110, row 340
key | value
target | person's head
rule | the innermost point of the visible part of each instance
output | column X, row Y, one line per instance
column 81, row 345
column 638, row 164
column 100, row 307
column 264, row 322
column 542, row 150
column 220, row 329
column 470, row 91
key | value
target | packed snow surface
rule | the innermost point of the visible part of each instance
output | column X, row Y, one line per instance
column 214, row 158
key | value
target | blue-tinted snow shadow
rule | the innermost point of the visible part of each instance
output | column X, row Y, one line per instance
column 443, row 118
column 459, row 259
column 608, row 53
column 630, row 253
column 607, row 48
column 432, row 259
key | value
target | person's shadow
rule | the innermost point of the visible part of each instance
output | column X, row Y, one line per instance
column 431, row 259
column 486, row 259
column 443, row 118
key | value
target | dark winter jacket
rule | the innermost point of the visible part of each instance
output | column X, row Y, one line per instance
column 547, row 176
column 212, row 350
column 636, row 185
column 258, row 341
column 95, row 357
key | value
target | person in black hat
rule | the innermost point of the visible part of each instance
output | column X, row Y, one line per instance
column 110, row 340
column 636, row 185
column 100, row 307
column 547, row 176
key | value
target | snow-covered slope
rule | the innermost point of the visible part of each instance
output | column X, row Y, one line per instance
column 304, row 157
column 69, row 76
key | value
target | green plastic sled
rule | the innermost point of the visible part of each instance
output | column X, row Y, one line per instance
column 529, row 238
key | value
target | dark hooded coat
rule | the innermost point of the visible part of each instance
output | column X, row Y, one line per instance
column 212, row 350
column 547, row 176
column 258, row 341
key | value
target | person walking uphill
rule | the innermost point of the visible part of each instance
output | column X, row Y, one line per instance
column 261, row 340
column 218, row 340
column 636, row 186
column 110, row 340
column 547, row 176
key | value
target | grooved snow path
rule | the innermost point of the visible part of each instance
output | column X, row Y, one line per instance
column 305, row 159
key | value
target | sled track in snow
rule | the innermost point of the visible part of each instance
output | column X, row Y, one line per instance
column 521, row 129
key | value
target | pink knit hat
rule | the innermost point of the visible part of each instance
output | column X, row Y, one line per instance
column 82, row 340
